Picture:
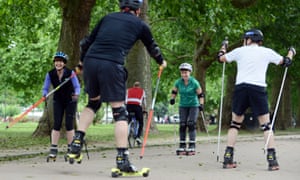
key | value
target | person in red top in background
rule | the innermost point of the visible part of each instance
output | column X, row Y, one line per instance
column 136, row 102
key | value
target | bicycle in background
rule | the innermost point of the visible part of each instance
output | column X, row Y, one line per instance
column 133, row 128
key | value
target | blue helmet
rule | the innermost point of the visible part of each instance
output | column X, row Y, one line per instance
column 61, row 55
column 132, row 4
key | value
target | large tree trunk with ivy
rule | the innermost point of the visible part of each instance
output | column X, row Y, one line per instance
column 76, row 16
column 201, row 64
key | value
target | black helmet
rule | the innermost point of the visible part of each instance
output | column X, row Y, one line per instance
column 132, row 4
column 61, row 55
column 254, row 34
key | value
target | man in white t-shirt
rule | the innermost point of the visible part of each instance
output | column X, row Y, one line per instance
column 250, row 89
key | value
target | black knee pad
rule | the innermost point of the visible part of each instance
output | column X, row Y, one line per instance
column 120, row 114
column 235, row 125
column 191, row 125
column 94, row 105
column 265, row 127
column 182, row 124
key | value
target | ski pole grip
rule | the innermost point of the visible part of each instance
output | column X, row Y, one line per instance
column 160, row 71
column 293, row 50
column 225, row 43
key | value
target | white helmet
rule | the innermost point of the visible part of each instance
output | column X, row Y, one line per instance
column 186, row 66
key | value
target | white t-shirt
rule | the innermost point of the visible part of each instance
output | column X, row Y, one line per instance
column 252, row 63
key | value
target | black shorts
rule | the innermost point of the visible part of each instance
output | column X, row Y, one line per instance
column 247, row 95
column 105, row 78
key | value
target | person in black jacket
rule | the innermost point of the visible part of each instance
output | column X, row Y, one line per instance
column 103, row 54
column 64, row 100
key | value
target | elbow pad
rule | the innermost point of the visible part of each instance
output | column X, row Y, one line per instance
column 155, row 52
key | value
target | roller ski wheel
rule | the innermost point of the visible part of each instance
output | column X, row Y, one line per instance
column 51, row 158
column 74, row 158
column 115, row 172
column 229, row 165
column 273, row 168
column 181, row 152
column 190, row 152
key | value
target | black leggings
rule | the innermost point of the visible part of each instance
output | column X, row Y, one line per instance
column 59, row 108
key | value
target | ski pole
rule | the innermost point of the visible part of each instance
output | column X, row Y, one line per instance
column 224, row 45
column 276, row 109
column 206, row 129
column 292, row 49
column 151, row 113
column 42, row 99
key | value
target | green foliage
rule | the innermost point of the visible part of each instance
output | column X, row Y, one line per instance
column 30, row 32
column 9, row 110
column 28, row 44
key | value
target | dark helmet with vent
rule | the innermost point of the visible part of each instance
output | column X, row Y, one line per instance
column 254, row 34
column 132, row 4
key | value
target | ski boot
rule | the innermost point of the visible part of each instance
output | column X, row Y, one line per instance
column 191, row 150
column 123, row 163
column 271, row 158
column 53, row 153
column 75, row 148
column 228, row 159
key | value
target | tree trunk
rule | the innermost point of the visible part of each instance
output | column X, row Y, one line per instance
column 229, row 83
column 284, row 113
column 138, row 65
column 76, row 16
column 297, row 120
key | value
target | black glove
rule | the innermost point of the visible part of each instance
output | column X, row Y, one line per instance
column 286, row 62
column 172, row 101
column 201, row 107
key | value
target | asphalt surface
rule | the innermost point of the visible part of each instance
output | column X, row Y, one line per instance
column 165, row 164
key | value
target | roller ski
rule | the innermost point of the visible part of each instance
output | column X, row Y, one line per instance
column 74, row 158
column 115, row 172
column 52, row 155
column 75, row 154
column 181, row 152
column 190, row 151
column 228, row 159
column 272, row 161
column 125, row 168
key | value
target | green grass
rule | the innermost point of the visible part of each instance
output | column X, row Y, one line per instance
column 19, row 136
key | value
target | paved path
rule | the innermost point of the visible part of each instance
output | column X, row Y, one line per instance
column 165, row 164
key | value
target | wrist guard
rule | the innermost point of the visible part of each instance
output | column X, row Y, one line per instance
column 286, row 62
column 220, row 53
